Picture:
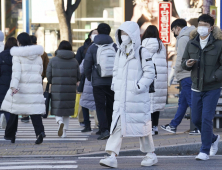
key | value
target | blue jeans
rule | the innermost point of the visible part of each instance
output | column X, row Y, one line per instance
column 203, row 111
column 184, row 101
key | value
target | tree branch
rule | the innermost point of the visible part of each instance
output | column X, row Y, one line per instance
column 75, row 5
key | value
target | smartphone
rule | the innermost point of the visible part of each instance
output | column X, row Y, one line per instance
column 191, row 60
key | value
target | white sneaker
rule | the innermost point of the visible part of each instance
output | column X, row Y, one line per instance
column 109, row 162
column 149, row 160
column 155, row 130
column 64, row 134
column 60, row 131
column 214, row 146
column 202, row 156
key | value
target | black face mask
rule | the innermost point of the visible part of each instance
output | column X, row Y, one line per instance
column 175, row 35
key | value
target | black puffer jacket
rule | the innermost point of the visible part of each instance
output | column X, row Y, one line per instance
column 5, row 73
column 90, row 61
column 80, row 55
column 63, row 73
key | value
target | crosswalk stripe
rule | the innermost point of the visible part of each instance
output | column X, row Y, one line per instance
column 26, row 131
column 41, row 167
column 36, row 162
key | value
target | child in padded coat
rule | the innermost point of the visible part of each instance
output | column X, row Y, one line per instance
column 131, row 80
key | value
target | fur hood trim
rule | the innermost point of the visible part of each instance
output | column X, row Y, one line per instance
column 217, row 33
column 31, row 51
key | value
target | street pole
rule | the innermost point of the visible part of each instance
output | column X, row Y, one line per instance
column 220, row 14
column 25, row 15
column 3, row 6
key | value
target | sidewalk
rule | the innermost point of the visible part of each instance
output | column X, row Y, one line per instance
column 92, row 146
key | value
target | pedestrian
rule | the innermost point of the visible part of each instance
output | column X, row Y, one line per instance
column 154, row 45
column 181, row 33
column 2, row 116
column 63, row 74
column 99, row 57
column 45, row 61
column 87, row 101
column 25, row 95
column 203, row 57
column 80, row 55
column 132, row 77
column 6, row 71
column 81, row 52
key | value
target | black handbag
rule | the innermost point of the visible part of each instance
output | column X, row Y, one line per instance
column 152, row 87
column 81, row 84
column 47, row 97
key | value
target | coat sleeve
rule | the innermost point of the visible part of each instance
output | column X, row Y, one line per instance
column 180, row 51
column 115, row 69
column 218, row 73
column 148, row 72
column 78, row 74
column 49, row 72
column 79, row 56
column 16, row 72
column 186, row 56
column 88, row 63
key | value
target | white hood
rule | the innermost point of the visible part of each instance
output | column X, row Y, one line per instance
column 30, row 52
column 133, row 30
column 151, row 44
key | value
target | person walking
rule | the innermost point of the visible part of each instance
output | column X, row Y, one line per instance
column 25, row 95
column 6, row 71
column 103, row 95
column 80, row 55
column 203, row 57
column 45, row 61
column 63, row 74
column 152, row 42
column 181, row 33
column 2, row 116
column 87, row 101
column 132, row 77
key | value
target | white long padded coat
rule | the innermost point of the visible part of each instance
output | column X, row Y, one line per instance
column 26, row 77
column 131, row 81
column 158, row 99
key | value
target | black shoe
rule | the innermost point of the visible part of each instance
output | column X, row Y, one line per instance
column 98, row 133
column 86, row 129
column 169, row 128
column 25, row 119
column 195, row 132
column 40, row 138
column 104, row 135
column 11, row 139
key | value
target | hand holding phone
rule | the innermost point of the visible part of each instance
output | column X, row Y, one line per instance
column 191, row 62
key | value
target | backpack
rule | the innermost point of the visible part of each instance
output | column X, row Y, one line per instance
column 152, row 87
column 105, row 59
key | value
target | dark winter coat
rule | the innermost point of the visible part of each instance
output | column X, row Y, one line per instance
column 5, row 73
column 63, row 74
column 80, row 55
column 206, row 74
column 90, row 61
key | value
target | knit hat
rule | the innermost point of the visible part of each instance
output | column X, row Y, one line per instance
column 104, row 28
column 1, row 36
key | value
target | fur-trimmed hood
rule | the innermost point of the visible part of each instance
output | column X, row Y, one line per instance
column 217, row 33
column 31, row 51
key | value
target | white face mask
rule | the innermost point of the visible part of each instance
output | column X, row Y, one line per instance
column 203, row 31
column 126, row 39
column 93, row 37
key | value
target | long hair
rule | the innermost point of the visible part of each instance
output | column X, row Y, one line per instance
column 152, row 32
column 11, row 42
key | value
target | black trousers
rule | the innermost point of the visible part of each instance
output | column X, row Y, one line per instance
column 104, row 98
column 155, row 118
column 12, row 125
column 85, row 112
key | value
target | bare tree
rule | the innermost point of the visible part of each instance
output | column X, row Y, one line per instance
column 64, row 17
column 206, row 6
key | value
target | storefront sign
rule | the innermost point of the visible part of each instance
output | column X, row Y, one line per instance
column 213, row 13
column 164, row 21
